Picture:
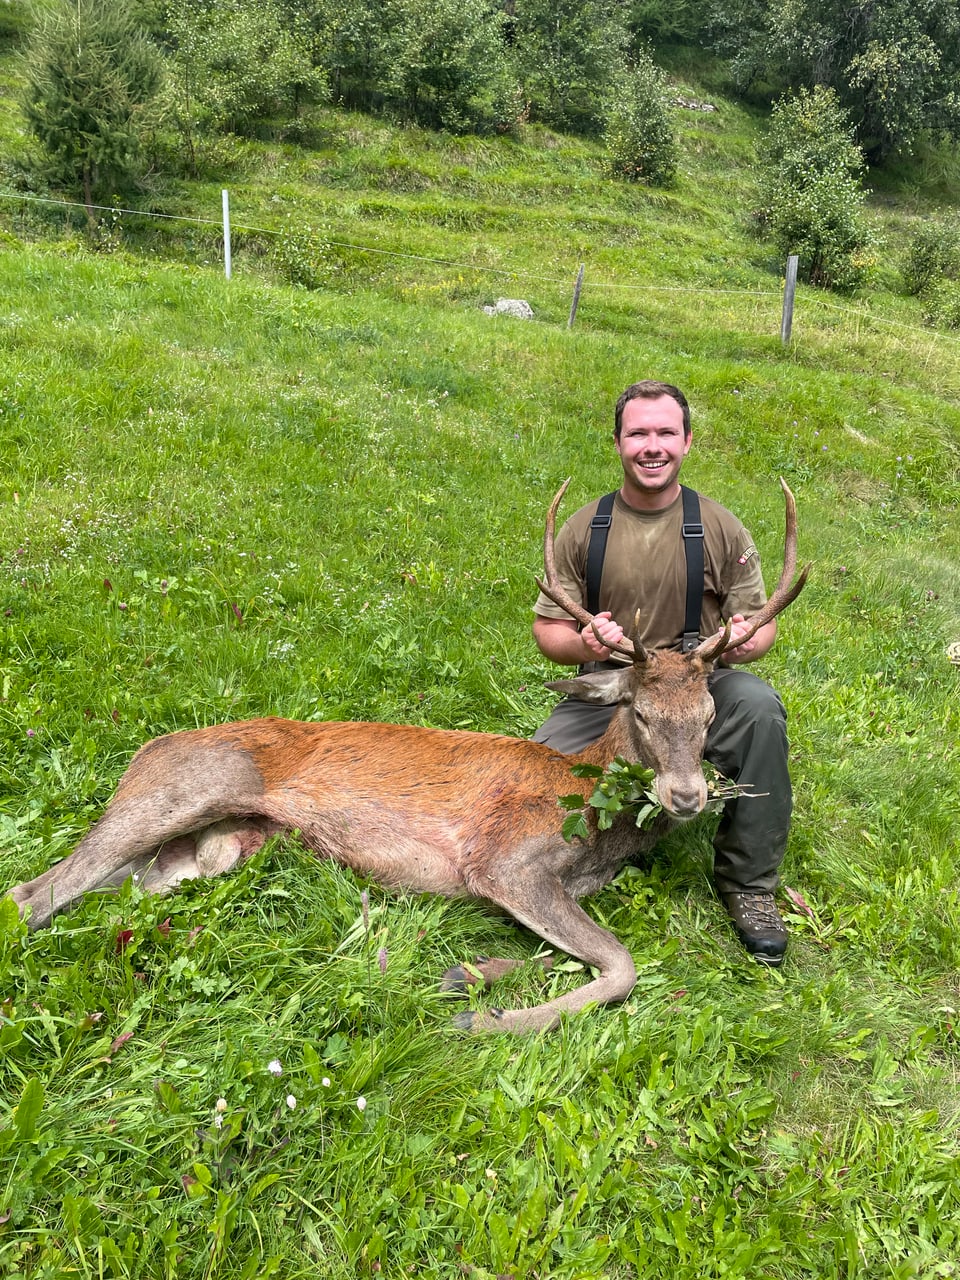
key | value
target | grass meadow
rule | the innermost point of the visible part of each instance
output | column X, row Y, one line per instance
column 230, row 499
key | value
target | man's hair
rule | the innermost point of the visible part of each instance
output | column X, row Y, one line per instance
column 650, row 390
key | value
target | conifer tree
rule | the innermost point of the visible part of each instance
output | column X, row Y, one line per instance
column 92, row 76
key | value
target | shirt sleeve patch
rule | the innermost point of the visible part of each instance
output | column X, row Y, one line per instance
column 747, row 555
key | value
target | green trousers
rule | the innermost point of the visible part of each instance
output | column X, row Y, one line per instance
column 748, row 744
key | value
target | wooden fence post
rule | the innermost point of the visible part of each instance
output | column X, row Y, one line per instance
column 789, row 292
column 227, row 257
column 576, row 297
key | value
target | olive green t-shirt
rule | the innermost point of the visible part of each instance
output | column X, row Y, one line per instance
column 645, row 568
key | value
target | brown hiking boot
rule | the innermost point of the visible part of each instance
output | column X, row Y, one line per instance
column 758, row 924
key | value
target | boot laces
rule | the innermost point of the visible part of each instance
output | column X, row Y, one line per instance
column 760, row 910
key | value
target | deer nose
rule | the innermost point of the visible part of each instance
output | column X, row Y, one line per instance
column 684, row 804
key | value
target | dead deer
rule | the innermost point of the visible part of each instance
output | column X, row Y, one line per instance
column 427, row 810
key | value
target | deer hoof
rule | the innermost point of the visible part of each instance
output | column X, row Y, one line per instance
column 460, row 977
column 477, row 1020
column 456, row 980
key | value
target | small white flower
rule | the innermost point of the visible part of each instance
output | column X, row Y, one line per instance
column 291, row 1101
column 325, row 1082
column 218, row 1121
column 361, row 1103
column 274, row 1067
column 221, row 1104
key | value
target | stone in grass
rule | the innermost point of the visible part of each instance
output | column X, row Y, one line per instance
column 511, row 307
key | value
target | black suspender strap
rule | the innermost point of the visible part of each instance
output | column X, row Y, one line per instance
column 692, row 531
column 599, row 528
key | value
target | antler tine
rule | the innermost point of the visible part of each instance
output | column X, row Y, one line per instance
column 553, row 589
column 712, row 648
column 783, row 594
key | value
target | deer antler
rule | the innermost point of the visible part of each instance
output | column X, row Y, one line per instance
column 783, row 593
column 553, row 588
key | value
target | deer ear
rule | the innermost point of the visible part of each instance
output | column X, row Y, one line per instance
column 599, row 686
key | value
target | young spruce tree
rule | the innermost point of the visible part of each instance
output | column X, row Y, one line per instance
column 92, row 75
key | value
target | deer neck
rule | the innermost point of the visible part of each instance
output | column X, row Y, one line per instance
column 616, row 740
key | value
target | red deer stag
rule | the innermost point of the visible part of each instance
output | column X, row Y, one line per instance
column 429, row 810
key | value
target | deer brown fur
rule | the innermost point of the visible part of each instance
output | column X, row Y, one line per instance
column 429, row 810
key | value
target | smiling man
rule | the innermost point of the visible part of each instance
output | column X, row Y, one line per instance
column 687, row 565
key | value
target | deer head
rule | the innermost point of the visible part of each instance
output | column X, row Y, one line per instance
column 665, row 704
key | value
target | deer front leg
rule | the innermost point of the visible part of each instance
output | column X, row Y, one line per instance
column 546, row 908
column 483, row 970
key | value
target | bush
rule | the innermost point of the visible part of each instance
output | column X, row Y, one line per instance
column 812, row 198
column 941, row 304
column 669, row 21
column 236, row 65
column 440, row 63
column 301, row 258
column 445, row 63
column 933, row 256
column 638, row 132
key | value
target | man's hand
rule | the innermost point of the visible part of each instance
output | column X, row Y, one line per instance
column 755, row 647
column 561, row 640
column 610, row 633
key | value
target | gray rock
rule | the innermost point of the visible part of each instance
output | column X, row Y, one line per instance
column 511, row 307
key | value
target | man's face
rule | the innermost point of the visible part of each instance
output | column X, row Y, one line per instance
column 652, row 448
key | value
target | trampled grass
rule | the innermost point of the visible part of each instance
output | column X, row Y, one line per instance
column 221, row 500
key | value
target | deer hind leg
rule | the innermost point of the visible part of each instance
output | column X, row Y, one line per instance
column 175, row 787
column 545, row 907
column 213, row 851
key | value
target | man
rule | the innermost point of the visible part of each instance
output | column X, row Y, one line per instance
column 644, row 565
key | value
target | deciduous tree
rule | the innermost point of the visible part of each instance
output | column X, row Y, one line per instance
column 894, row 64
column 568, row 54
column 236, row 62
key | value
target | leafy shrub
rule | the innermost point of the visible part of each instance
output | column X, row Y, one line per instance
column 941, row 304
column 300, row 257
column 680, row 21
column 445, row 63
column 638, row 131
column 440, row 63
column 811, row 195
column 933, row 255
column 236, row 64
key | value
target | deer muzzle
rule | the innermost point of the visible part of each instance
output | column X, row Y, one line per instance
column 682, row 798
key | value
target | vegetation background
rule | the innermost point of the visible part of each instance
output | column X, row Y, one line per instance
column 324, row 499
